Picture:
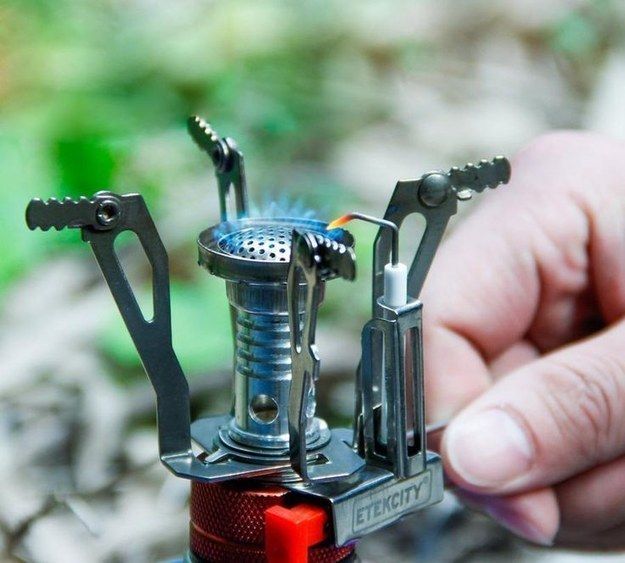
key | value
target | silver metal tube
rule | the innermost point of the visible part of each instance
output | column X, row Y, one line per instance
column 262, row 366
column 253, row 256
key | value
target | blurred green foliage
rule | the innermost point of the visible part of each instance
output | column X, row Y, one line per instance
column 585, row 33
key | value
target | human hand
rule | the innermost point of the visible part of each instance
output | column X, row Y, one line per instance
column 525, row 345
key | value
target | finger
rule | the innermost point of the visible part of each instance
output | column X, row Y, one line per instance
column 593, row 504
column 533, row 516
column 527, row 262
column 513, row 358
column 545, row 422
column 444, row 401
column 450, row 357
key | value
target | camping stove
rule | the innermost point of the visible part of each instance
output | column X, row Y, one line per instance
column 269, row 480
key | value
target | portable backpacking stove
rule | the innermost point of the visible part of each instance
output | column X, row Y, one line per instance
column 273, row 482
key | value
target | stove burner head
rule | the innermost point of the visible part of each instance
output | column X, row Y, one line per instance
column 259, row 250
column 270, row 242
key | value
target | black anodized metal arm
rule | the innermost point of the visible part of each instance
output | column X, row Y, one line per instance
column 435, row 197
column 101, row 219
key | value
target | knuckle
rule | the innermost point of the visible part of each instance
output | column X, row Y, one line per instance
column 583, row 398
column 555, row 151
column 546, row 147
column 561, row 143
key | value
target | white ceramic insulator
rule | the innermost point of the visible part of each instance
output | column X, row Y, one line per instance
column 395, row 284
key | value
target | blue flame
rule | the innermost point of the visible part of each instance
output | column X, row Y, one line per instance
column 282, row 207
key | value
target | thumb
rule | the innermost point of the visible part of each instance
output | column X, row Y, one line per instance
column 549, row 420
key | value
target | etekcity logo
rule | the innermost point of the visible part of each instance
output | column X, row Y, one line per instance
column 390, row 502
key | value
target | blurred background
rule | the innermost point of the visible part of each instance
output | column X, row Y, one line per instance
column 331, row 102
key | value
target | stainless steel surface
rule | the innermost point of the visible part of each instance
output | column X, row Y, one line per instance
column 228, row 163
column 389, row 424
column 313, row 257
column 328, row 459
column 98, row 212
column 374, row 498
column 154, row 344
column 219, row 255
column 152, row 337
column 262, row 369
column 261, row 323
column 271, row 242
column 383, row 223
column 394, row 437
column 253, row 256
column 434, row 196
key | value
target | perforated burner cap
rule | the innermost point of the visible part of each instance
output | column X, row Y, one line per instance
column 257, row 249
column 271, row 243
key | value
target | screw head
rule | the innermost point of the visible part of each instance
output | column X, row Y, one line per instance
column 108, row 212
column 221, row 155
column 434, row 189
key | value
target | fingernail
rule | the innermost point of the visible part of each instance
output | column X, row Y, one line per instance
column 518, row 526
column 500, row 510
column 488, row 449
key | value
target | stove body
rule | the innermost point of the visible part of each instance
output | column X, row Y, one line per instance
column 272, row 482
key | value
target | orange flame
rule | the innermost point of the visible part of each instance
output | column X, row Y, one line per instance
column 339, row 222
